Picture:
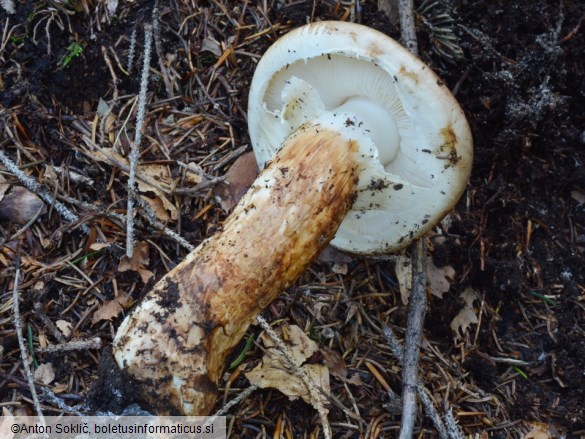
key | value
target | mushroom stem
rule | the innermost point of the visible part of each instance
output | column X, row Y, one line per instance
column 177, row 339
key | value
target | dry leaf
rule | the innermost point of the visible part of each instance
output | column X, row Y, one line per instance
column 5, row 423
column 439, row 278
column 138, row 262
column 43, row 341
column 578, row 196
column 18, row 204
column 45, row 373
column 539, row 431
column 194, row 174
column 64, row 326
column 50, row 176
column 111, row 308
column 60, row 388
column 160, row 175
column 97, row 246
column 3, row 187
column 157, row 174
column 335, row 363
column 355, row 379
column 331, row 254
column 209, row 45
column 466, row 316
column 157, row 206
column 404, row 276
column 149, row 177
column 188, row 122
column 339, row 268
column 238, row 180
column 352, row 310
column 274, row 372
column 108, row 155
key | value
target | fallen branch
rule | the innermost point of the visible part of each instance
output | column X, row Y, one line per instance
column 451, row 431
column 22, row 345
column 417, row 304
column 78, row 345
column 407, row 25
column 135, row 148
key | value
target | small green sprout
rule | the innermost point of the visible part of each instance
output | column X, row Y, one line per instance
column 17, row 40
column 544, row 298
column 520, row 372
column 240, row 358
column 73, row 51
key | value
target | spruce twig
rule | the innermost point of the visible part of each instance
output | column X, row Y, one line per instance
column 35, row 187
column 21, row 343
column 135, row 148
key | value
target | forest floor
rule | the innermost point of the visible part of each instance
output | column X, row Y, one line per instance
column 512, row 250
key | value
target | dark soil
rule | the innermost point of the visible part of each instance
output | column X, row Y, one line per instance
column 517, row 236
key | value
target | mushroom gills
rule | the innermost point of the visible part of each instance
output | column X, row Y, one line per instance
column 302, row 103
column 366, row 93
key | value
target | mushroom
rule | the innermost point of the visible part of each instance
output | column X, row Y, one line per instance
column 362, row 146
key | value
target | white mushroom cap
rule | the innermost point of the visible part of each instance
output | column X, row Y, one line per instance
column 363, row 78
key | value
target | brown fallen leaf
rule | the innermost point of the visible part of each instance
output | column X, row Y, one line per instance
column 195, row 174
column 238, row 180
column 150, row 177
column 111, row 308
column 64, row 326
column 97, row 246
column 18, row 204
column 466, row 316
column 160, row 175
column 335, row 363
column 138, row 262
column 439, row 278
column 404, row 276
column 539, row 431
column 45, row 373
column 578, row 196
column 158, row 208
column 273, row 370
column 60, row 388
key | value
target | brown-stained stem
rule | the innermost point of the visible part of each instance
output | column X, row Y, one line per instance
column 177, row 340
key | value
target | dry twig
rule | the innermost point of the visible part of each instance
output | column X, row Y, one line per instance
column 135, row 150
column 449, row 431
column 21, row 344
column 407, row 26
column 33, row 186
column 417, row 301
column 417, row 304
column 311, row 388
column 77, row 345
